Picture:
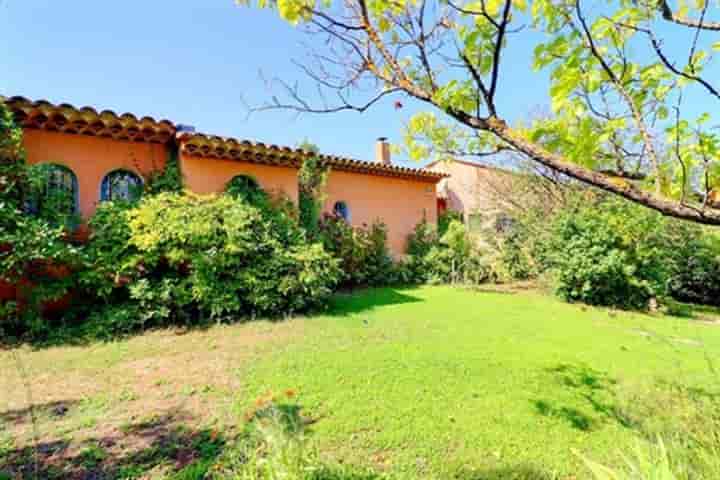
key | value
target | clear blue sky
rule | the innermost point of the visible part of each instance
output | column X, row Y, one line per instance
column 194, row 62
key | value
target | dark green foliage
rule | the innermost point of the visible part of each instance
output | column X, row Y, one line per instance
column 449, row 258
column 695, row 275
column 247, row 190
column 606, row 251
column 518, row 253
column 445, row 218
column 612, row 253
column 169, row 179
column 33, row 248
column 312, row 177
column 363, row 253
column 109, row 255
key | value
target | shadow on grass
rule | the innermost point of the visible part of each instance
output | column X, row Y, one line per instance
column 162, row 443
column 597, row 391
column 359, row 301
column 79, row 333
column 693, row 311
column 514, row 472
column 576, row 418
column 56, row 409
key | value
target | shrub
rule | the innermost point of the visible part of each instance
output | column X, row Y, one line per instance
column 449, row 258
column 612, row 253
column 363, row 253
column 34, row 253
column 109, row 257
column 445, row 218
column 169, row 179
column 695, row 273
column 215, row 256
column 415, row 267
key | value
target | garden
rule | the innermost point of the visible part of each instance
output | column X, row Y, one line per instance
column 424, row 382
column 236, row 335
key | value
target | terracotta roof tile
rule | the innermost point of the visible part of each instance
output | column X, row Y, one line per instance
column 87, row 120
column 213, row 146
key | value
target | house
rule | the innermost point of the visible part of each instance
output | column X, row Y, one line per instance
column 477, row 191
column 102, row 155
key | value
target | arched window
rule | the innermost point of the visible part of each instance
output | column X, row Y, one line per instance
column 341, row 210
column 59, row 195
column 246, row 188
column 121, row 185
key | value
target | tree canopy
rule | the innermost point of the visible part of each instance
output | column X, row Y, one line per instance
column 620, row 95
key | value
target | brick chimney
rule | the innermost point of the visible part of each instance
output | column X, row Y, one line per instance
column 382, row 151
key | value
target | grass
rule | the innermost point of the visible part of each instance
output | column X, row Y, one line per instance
column 426, row 382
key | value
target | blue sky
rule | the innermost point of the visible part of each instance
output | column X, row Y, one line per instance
column 197, row 62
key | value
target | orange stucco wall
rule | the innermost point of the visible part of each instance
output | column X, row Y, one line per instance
column 91, row 158
column 472, row 188
column 400, row 203
column 204, row 175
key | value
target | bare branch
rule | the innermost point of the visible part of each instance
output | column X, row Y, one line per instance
column 670, row 16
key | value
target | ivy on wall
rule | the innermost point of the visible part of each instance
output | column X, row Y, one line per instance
column 312, row 178
column 169, row 179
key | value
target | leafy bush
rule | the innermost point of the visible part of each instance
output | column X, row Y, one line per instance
column 169, row 179
column 445, row 218
column 612, row 253
column 215, row 256
column 109, row 256
column 695, row 274
column 363, row 253
column 449, row 258
column 34, row 252
column 415, row 267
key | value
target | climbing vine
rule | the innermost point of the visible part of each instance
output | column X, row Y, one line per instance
column 169, row 179
column 312, row 178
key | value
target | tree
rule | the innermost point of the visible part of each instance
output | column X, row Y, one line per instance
column 618, row 92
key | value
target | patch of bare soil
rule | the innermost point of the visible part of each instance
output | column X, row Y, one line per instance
column 100, row 409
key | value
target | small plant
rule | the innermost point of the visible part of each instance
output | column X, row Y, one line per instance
column 275, row 444
column 648, row 462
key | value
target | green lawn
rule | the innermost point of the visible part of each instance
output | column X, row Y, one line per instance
column 417, row 383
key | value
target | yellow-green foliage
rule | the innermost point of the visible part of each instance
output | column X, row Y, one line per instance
column 217, row 256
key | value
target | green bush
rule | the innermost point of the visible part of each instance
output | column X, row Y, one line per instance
column 445, row 218
column 109, row 257
column 216, row 256
column 449, row 258
column 415, row 268
column 34, row 251
column 612, row 253
column 363, row 253
column 695, row 273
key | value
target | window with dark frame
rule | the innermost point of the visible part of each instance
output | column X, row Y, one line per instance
column 341, row 210
column 121, row 185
